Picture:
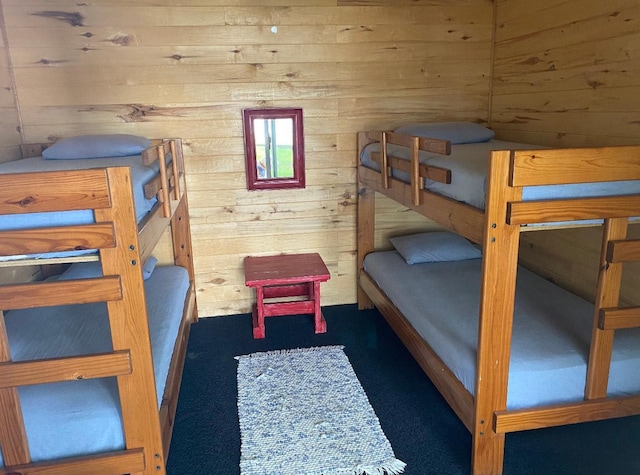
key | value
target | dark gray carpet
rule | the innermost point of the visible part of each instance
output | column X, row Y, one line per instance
column 423, row 431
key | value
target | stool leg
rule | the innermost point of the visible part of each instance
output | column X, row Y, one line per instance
column 321, row 324
column 258, row 314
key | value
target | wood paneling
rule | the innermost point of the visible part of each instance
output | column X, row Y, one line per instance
column 9, row 137
column 152, row 68
column 568, row 74
column 9, row 119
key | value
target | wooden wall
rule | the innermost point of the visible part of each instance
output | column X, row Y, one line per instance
column 156, row 69
column 9, row 120
column 568, row 74
column 9, row 139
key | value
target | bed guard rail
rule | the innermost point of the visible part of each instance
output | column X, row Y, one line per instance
column 417, row 171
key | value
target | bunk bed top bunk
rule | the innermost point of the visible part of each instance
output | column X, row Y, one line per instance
column 149, row 163
column 478, row 370
column 447, row 166
column 117, row 327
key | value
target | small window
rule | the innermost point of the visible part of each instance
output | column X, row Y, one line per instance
column 274, row 148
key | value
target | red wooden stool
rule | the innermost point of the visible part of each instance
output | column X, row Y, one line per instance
column 290, row 275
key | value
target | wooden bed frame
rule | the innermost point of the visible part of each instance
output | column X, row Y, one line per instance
column 497, row 229
column 123, row 246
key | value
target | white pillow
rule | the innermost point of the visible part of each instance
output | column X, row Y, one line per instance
column 96, row 146
column 454, row 132
column 437, row 246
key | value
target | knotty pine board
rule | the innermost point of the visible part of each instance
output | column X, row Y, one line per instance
column 9, row 120
column 568, row 69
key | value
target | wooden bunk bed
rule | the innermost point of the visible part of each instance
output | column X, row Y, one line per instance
column 497, row 228
column 123, row 243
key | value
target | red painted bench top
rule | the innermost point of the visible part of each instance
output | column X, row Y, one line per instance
column 284, row 269
column 287, row 275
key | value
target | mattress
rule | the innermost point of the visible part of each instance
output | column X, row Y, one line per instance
column 468, row 164
column 551, row 330
column 140, row 175
column 83, row 417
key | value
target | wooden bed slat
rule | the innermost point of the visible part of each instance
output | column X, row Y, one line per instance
column 624, row 251
column 48, row 294
column 562, row 414
column 153, row 153
column 54, row 370
column 439, row 174
column 549, row 211
column 152, row 187
column 53, row 191
column 125, row 461
column 459, row 217
column 574, row 165
column 57, row 239
column 439, row 146
column 619, row 318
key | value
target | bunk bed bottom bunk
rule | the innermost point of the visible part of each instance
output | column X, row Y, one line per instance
column 75, row 418
column 551, row 334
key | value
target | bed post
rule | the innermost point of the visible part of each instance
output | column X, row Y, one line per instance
column 366, row 236
column 129, row 326
column 500, row 259
column 366, row 225
column 182, row 248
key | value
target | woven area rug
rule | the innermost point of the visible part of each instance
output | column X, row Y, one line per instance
column 304, row 411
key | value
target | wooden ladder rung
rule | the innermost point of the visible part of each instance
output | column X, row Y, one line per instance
column 124, row 461
column 56, row 239
column 53, row 370
column 619, row 318
column 623, row 251
column 62, row 292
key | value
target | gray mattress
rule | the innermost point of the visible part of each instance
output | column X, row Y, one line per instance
column 468, row 164
column 552, row 328
column 83, row 417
